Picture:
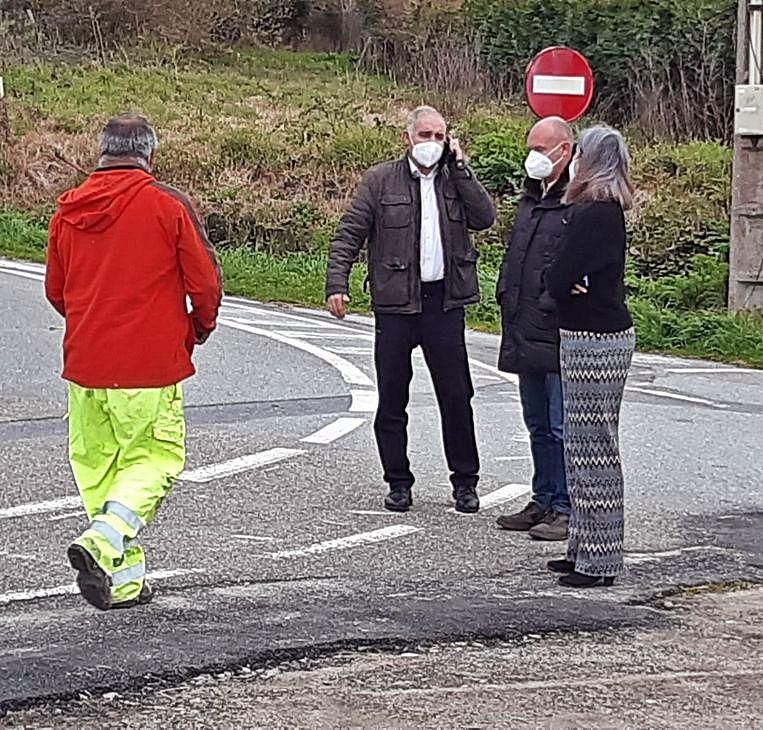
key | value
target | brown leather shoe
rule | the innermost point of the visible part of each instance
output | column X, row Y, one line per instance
column 522, row 521
column 555, row 526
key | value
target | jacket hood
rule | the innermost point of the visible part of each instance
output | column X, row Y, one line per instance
column 99, row 202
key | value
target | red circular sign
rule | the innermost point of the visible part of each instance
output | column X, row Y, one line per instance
column 559, row 82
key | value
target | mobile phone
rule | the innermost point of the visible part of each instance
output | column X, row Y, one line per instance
column 447, row 153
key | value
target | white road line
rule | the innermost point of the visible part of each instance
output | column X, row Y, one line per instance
column 303, row 334
column 71, row 589
column 200, row 475
column 351, row 350
column 713, row 371
column 25, row 275
column 332, row 432
column 344, row 543
column 38, row 508
column 235, row 466
column 638, row 558
column 18, row 266
column 349, row 372
column 255, row 538
column 364, row 401
column 509, row 377
column 67, row 516
column 512, row 458
column 676, row 396
column 266, row 322
column 371, row 512
column 501, row 495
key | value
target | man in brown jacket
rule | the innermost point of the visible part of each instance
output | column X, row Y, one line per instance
column 415, row 214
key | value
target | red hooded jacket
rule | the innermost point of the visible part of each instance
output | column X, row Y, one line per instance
column 124, row 251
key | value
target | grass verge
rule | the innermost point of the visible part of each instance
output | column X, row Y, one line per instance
column 299, row 279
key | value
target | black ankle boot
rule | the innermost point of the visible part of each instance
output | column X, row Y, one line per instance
column 578, row 580
column 561, row 566
column 467, row 500
column 399, row 499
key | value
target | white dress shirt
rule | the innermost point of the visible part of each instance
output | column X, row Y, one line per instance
column 432, row 258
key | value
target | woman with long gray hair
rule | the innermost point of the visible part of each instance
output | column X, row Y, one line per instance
column 587, row 280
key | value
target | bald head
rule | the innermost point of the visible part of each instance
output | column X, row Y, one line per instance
column 554, row 138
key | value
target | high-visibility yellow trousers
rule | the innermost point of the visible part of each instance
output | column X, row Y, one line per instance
column 126, row 449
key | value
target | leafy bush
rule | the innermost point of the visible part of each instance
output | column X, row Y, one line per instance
column 665, row 65
column 498, row 157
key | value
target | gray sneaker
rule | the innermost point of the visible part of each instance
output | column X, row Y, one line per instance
column 554, row 527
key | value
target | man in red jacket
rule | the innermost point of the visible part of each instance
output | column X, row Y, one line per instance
column 124, row 252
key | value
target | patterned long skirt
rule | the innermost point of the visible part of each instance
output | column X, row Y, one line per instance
column 594, row 367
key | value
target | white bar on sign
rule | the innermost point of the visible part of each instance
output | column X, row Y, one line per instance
column 562, row 85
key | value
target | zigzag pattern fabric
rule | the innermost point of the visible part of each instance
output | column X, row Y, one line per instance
column 594, row 367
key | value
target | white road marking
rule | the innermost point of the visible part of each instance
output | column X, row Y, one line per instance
column 512, row 458
column 364, row 401
column 371, row 512
column 676, row 396
column 38, row 508
column 638, row 558
column 332, row 432
column 71, row 589
column 200, row 475
column 501, row 495
column 349, row 372
column 344, row 543
column 25, row 275
column 351, row 350
column 327, row 335
column 235, row 466
column 17, row 556
column 692, row 371
column 509, row 377
column 18, row 266
column 255, row 538
column 68, row 516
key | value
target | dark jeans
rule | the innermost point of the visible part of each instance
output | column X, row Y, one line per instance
column 543, row 411
column 441, row 337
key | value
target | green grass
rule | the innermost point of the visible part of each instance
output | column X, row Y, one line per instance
column 299, row 279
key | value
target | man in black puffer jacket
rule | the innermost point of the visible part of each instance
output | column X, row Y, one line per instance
column 530, row 343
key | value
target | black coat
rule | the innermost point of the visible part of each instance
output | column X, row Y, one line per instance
column 530, row 342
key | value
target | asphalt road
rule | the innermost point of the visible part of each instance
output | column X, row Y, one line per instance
column 275, row 544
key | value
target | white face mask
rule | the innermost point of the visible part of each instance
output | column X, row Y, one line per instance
column 427, row 154
column 539, row 166
column 573, row 171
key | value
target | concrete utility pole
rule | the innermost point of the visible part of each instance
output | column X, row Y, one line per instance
column 746, row 256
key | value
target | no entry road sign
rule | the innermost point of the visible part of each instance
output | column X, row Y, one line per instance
column 559, row 82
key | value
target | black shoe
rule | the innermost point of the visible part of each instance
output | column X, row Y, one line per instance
column 398, row 500
column 561, row 566
column 578, row 580
column 93, row 583
column 522, row 521
column 467, row 500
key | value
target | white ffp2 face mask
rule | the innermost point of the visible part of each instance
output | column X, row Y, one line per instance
column 539, row 166
column 427, row 154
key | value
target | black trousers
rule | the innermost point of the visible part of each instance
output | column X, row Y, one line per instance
column 441, row 337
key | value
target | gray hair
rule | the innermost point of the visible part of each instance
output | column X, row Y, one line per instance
column 129, row 135
column 416, row 114
column 603, row 168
